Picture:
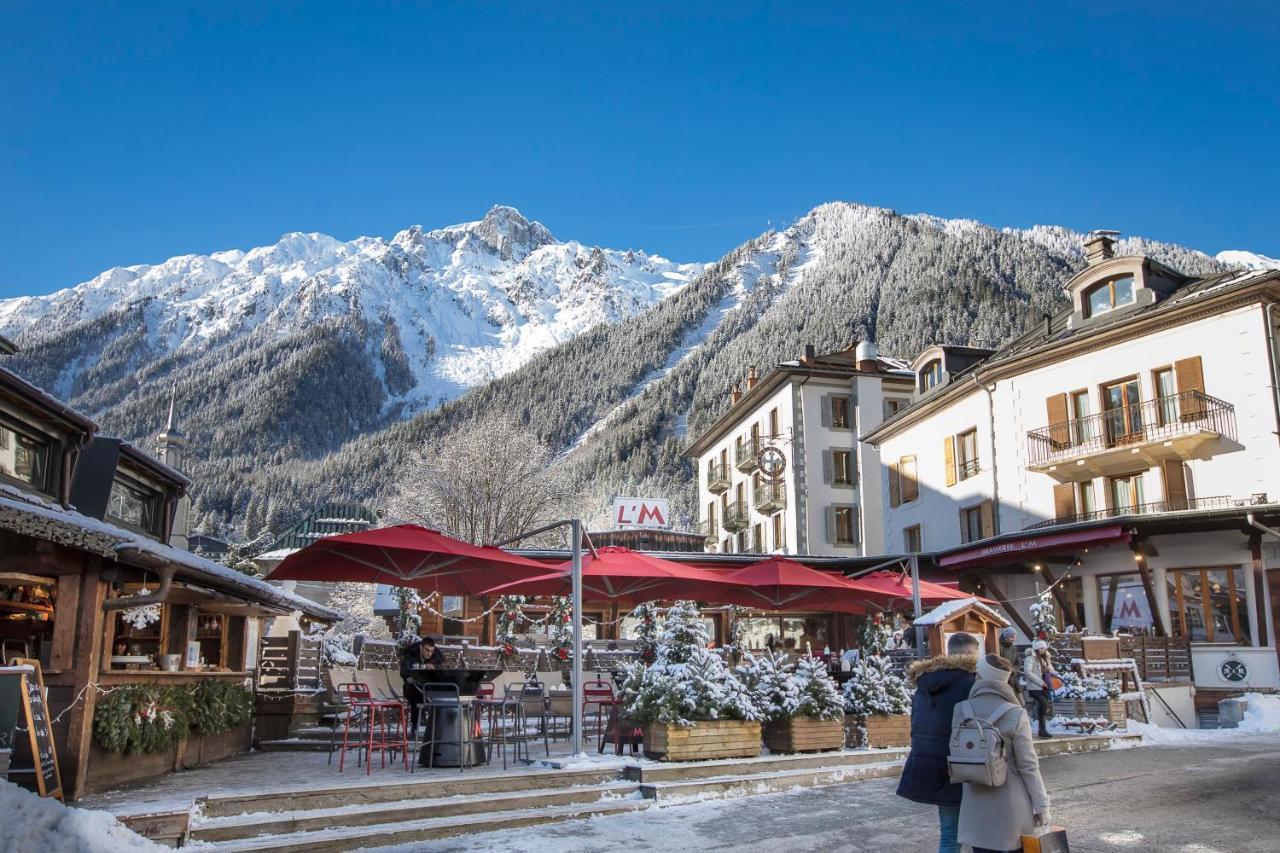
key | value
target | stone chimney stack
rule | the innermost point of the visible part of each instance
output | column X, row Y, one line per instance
column 752, row 378
column 867, row 357
column 1100, row 246
column 735, row 395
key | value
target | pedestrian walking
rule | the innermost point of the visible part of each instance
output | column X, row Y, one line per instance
column 1009, row 652
column 939, row 683
column 994, row 819
column 1035, row 671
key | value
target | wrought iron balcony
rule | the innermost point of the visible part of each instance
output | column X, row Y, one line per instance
column 735, row 517
column 1172, row 427
column 710, row 534
column 717, row 478
column 745, row 455
column 1155, row 508
column 771, row 497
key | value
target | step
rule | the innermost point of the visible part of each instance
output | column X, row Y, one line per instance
column 763, row 783
column 246, row 826
column 1085, row 743
column 293, row 745
column 425, row 787
column 676, row 771
column 347, row 838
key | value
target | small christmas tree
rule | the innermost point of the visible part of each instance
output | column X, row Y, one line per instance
column 1044, row 622
column 816, row 694
column 647, row 632
column 510, row 616
column 876, row 635
column 560, row 628
column 768, row 677
column 874, row 689
column 683, row 632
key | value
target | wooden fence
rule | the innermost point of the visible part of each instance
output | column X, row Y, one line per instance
column 1158, row 658
column 289, row 664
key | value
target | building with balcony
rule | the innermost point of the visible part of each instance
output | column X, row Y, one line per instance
column 780, row 471
column 1122, row 455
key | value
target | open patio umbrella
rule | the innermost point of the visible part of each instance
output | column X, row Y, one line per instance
column 895, row 587
column 619, row 574
column 779, row 584
column 407, row 555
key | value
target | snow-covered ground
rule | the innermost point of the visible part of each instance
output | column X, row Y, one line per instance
column 1262, row 719
column 34, row 824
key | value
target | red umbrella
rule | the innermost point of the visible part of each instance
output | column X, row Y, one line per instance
column 619, row 574
column 778, row 584
column 897, row 587
column 407, row 555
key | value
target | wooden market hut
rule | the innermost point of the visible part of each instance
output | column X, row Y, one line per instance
column 85, row 527
column 964, row 615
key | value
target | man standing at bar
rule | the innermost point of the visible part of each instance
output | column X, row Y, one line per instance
column 940, row 683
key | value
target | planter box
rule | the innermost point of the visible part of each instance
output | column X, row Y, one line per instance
column 709, row 739
column 804, row 734
column 889, row 731
column 1109, row 709
column 109, row 769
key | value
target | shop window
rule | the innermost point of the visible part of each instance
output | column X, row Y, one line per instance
column 25, row 456
column 1109, row 295
column 27, row 607
column 1125, row 606
column 1209, row 605
column 134, row 505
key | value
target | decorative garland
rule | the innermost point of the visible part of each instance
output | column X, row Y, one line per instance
column 145, row 718
column 510, row 615
column 559, row 621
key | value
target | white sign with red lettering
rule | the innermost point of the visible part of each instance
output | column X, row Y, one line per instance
column 641, row 512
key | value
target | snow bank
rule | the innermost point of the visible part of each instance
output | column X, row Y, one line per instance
column 44, row 824
column 1261, row 718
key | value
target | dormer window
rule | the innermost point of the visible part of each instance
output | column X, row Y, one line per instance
column 1109, row 295
column 25, row 456
column 134, row 505
column 931, row 375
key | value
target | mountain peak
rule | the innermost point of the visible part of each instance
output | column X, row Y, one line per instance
column 509, row 234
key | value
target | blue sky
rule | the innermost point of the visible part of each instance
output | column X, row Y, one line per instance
column 134, row 132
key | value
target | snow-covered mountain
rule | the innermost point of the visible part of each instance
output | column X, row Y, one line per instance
column 444, row 310
column 1249, row 260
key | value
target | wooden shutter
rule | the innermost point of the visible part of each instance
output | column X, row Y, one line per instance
column 826, row 410
column 910, row 485
column 1175, row 484
column 831, row 525
column 1064, row 500
column 1189, row 373
column 987, row 510
column 949, row 458
column 895, row 485
column 828, row 468
column 1059, row 428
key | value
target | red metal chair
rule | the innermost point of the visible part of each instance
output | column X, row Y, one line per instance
column 600, row 695
column 376, row 715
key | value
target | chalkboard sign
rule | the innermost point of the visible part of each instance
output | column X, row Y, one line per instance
column 11, row 688
column 35, row 722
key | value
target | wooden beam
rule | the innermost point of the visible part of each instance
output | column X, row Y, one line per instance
column 1010, row 610
column 89, row 620
column 1157, row 618
column 1259, row 589
column 1058, row 594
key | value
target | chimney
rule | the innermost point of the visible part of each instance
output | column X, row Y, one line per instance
column 866, row 357
column 809, row 355
column 1048, row 324
column 1100, row 246
column 735, row 395
column 752, row 378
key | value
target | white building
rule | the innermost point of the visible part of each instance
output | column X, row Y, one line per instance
column 809, row 412
column 1126, row 452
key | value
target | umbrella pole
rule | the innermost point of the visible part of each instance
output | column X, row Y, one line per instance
column 915, row 604
column 576, row 533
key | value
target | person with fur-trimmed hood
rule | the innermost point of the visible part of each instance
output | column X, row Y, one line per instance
column 939, row 683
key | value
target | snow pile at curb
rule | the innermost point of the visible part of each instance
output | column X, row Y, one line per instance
column 44, row 824
column 1261, row 718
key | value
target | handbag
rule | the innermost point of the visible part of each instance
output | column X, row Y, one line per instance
column 1047, row 839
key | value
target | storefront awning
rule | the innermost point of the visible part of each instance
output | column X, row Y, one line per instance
column 1016, row 548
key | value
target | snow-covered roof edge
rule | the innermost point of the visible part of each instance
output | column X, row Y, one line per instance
column 948, row 609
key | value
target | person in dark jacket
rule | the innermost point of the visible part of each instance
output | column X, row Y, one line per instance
column 940, row 683
column 415, row 656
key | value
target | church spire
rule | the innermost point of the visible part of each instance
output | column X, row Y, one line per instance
column 171, row 442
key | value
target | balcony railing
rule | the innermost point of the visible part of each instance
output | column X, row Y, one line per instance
column 717, row 478
column 1156, row 508
column 746, row 454
column 770, row 497
column 735, row 517
column 1163, row 419
column 709, row 532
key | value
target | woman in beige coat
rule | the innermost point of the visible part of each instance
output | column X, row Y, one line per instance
column 995, row 819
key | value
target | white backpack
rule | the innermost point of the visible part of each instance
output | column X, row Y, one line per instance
column 979, row 752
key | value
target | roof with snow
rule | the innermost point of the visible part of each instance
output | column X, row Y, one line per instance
column 946, row 610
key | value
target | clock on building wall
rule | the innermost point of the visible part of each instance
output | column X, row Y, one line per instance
column 772, row 462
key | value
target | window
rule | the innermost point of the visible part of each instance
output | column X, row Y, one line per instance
column 1081, row 426
column 1071, row 593
column 967, row 454
column 1126, row 493
column 912, row 539
column 727, row 548
column 135, row 505
column 971, row 524
column 931, row 375
column 842, row 467
column 1122, row 409
column 1088, row 502
column 779, row 532
column 1166, row 395
column 775, row 428
column 843, row 525
column 1209, row 605
column 893, row 405
column 711, row 517
column 25, row 457
column 452, row 611
column 840, row 414
column 907, row 478
column 757, row 538
column 1125, row 606
column 1108, row 296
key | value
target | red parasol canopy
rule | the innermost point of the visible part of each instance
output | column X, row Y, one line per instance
column 407, row 555
column 897, row 587
column 619, row 574
column 778, row 584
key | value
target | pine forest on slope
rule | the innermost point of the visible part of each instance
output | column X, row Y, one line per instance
column 322, row 397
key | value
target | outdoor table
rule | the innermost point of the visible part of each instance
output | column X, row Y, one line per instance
column 445, row 725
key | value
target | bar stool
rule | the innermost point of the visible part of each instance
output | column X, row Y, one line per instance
column 376, row 715
column 601, row 696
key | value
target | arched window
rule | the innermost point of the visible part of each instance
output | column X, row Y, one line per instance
column 931, row 375
column 1109, row 295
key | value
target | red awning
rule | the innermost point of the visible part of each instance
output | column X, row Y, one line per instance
column 615, row 573
column 779, row 584
column 1020, row 548
column 407, row 555
column 896, row 586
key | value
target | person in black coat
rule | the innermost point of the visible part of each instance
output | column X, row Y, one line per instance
column 940, row 684
column 415, row 656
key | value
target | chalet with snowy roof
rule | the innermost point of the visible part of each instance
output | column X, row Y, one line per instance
column 93, row 589
column 1123, row 455
column 781, row 471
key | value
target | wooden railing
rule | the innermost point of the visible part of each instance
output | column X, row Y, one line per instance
column 289, row 664
column 1158, row 658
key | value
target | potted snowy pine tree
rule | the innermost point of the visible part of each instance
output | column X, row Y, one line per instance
column 803, row 710
column 690, row 704
column 878, row 698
